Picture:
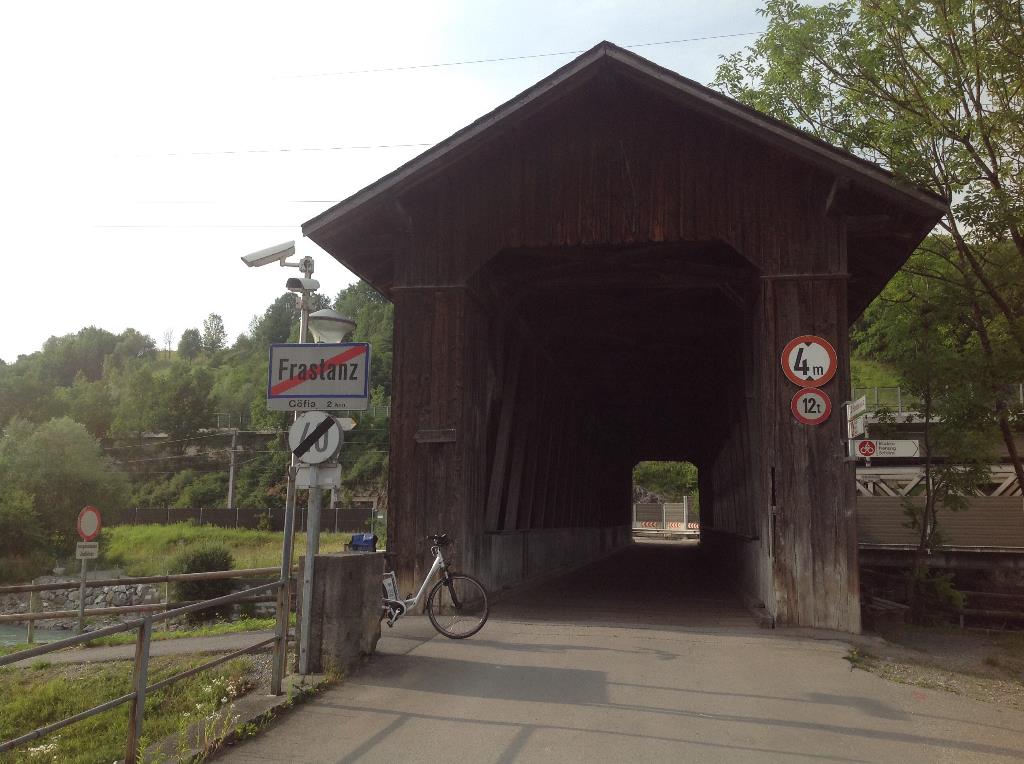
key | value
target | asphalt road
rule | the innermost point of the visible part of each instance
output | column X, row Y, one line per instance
column 635, row 659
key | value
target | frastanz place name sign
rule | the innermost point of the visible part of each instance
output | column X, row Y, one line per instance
column 308, row 377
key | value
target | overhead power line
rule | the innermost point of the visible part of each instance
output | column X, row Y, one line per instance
column 414, row 67
column 468, row 62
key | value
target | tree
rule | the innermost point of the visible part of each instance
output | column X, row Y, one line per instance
column 63, row 358
column 931, row 89
column 184, row 401
column 918, row 326
column 62, row 468
column 375, row 323
column 275, row 325
column 168, row 338
column 214, row 334
column 669, row 480
column 132, row 345
column 21, row 530
column 190, row 345
column 25, row 392
column 137, row 404
column 89, row 403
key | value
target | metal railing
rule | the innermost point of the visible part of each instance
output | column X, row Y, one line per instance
column 140, row 673
column 34, row 615
column 900, row 402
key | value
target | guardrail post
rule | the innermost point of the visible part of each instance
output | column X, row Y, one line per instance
column 140, row 675
column 33, row 600
column 280, row 655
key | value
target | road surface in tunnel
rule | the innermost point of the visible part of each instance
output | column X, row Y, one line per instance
column 641, row 657
column 657, row 584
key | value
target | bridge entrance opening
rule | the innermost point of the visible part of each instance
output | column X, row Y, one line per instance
column 666, row 500
column 605, row 270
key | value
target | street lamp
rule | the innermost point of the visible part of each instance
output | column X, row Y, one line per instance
column 329, row 326
column 303, row 288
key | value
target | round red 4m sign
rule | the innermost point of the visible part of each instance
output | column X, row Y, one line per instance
column 810, row 406
column 809, row 361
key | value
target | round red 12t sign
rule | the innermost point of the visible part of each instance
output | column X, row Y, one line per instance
column 809, row 361
column 811, row 406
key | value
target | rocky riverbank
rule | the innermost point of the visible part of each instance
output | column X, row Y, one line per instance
column 118, row 595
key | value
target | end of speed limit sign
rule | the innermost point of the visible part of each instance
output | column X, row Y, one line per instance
column 811, row 406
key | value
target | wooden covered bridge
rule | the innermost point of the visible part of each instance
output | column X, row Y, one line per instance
column 604, row 270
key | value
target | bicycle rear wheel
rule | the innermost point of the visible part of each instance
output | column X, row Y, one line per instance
column 458, row 606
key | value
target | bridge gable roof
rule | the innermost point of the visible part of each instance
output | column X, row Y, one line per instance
column 373, row 207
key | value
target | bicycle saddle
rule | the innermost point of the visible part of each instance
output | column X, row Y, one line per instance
column 440, row 539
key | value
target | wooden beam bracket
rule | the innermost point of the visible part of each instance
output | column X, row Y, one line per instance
column 435, row 436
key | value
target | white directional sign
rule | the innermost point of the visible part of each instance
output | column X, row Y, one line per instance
column 315, row 437
column 856, row 427
column 810, row 406
column 87, row 550
column 327, row 476
column 809, row 361
column 329, row 377
column 882, row 449
column 856, row 417
column 855, row 408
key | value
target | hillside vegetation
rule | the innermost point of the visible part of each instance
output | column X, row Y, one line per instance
column 114, row 421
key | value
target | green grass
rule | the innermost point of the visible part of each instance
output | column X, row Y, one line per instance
column 213, row 630
column 8, row 649
column 148, row 550
column 865, row 373
column 34, row 697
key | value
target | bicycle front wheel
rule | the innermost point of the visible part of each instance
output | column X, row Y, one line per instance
column 457, row 606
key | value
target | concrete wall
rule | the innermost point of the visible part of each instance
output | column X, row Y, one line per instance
column 346, row 609
column 508, row 558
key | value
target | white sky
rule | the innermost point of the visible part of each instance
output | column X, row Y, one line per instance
column 121, row 202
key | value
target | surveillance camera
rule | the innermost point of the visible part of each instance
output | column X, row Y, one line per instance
column 302, row 285
column 276, row 254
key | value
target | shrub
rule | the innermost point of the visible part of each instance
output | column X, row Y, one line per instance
column 203, row 560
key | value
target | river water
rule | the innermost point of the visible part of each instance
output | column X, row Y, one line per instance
column 14, row 635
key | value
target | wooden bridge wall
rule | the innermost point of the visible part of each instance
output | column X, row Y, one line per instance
column 602, row 171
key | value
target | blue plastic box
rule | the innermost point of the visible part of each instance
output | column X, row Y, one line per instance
column 364, row 542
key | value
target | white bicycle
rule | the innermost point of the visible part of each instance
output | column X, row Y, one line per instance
column 457, row 605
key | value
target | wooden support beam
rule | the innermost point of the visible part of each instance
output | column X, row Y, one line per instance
column 503, row 440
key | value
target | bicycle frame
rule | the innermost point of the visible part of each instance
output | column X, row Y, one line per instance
column 409, row 604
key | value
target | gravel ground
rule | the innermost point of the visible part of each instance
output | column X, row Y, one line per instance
column 977, row 665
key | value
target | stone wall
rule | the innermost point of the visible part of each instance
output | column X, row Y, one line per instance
column 95, row 597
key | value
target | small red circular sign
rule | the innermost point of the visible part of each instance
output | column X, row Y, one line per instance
column 89, row 523
column 810, row 406
column 866, row 448
column 809, row 360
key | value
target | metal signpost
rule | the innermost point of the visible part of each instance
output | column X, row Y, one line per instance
column 89, row 524
column 314, row 437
